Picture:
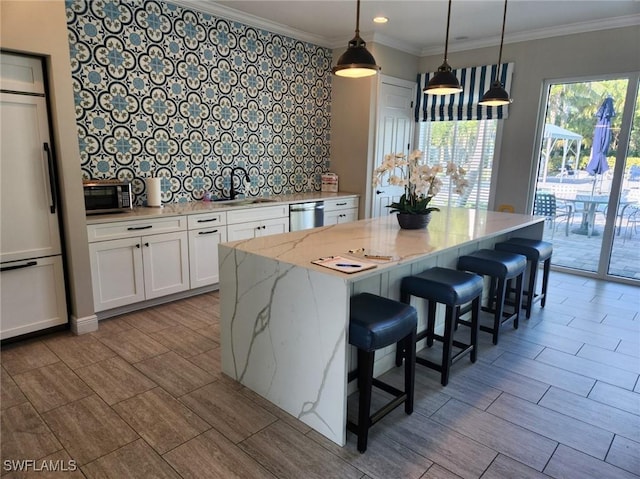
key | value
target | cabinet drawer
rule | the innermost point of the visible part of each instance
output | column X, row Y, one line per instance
column 339, row 204
column 206, row 220
column 257, row 214
column 129, row 229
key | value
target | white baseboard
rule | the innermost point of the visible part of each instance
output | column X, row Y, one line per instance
column 88, row 324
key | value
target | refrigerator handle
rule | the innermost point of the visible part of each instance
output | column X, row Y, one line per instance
column 18, row 266
column 52, row 178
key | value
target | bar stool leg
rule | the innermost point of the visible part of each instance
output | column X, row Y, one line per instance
column 475, row 328
column 447, row 343
column 365, row 385
column 409, row 371
column 532, row 286
column 401, row 349
column 545, row 281
column 497, row 318
column 518, row 303
column 431, row 322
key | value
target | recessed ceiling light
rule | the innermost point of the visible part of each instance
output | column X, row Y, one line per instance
column 380, row 20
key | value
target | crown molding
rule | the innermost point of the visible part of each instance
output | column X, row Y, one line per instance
column 227, row 13
column 539, row 34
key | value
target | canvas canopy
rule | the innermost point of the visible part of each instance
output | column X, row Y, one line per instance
column 571, row 143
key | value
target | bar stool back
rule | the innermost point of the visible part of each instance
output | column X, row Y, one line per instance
column 453, row 289
column 374, row 323
column 535, row 251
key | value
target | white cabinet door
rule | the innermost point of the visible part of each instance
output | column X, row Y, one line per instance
column 21, row 310
column 166, row 264
column 273, row 227
column 243, row 231
column 203, row 255
column 116, row 272
column 29, row 221
column 255, row 229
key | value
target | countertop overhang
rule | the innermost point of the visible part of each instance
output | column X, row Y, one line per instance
column 449, row 228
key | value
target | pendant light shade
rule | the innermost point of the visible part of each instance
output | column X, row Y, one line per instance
column 497, row 95
column 444, row 82
column 356, row 62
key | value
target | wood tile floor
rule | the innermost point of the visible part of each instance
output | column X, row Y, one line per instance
column 144, row 398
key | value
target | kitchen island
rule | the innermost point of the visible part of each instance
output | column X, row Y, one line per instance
column 284, row 320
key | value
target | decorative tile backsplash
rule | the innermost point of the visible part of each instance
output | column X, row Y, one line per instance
column 164, row 91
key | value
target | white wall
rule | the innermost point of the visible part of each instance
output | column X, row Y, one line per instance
column 39, row 28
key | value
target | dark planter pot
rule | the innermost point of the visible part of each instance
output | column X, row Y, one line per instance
column 413, row 222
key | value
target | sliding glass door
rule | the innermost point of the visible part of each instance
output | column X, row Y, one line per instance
column 588, row 176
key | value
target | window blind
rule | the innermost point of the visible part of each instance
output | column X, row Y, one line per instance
column 468, row 143
column 464, row 105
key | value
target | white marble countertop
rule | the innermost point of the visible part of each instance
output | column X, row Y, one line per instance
column 449, row 228
column 195, row 207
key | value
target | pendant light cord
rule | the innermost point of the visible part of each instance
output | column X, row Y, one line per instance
column 504, row 20
column 358, row 19
column 446, row 42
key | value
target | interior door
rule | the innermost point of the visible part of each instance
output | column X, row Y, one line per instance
column 394, row 133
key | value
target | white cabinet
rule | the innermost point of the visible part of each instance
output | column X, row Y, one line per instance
column 206, row 231
column 255, row 222
column 32, row 296
column 138, row 260
column 341, row 210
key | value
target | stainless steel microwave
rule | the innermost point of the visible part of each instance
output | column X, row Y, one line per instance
column 107, row 196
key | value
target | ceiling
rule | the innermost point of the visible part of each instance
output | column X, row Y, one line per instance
column 418, row 27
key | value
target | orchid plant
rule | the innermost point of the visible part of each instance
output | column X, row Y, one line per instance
column 420, row 181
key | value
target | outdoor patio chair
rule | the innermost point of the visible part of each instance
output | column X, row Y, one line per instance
column 632, row 221
column 547, row 205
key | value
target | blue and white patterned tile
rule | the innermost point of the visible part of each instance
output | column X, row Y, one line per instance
column 162, row 90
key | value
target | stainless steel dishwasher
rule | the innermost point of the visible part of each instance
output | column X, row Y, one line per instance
column 303, row 216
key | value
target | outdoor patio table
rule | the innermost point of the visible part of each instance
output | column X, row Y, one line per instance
column 590, row 206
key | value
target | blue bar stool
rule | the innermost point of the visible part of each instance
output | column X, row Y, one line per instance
column 535, row 251
column 501, row 267
column 374, row 323
column 453, row 289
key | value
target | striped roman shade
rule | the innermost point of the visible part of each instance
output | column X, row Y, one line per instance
column 464, row 105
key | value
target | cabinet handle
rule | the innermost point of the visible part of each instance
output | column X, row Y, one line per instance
column 146, row 244
column 136, row 228
column 138, row 245
column 18, row 266
column 208, row 221
column 207, row 232
column 340, row 204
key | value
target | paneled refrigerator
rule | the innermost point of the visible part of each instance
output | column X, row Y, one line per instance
column 32, row 286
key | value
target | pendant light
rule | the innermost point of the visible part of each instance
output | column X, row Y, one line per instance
column 497, row 95
column 444, row 82
column 356, row 62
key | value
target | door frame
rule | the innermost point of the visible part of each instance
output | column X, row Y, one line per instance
column 633, row 86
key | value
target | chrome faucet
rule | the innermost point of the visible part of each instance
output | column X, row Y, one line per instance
column 232, row 190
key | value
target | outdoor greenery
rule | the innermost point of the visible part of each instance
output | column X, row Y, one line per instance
column 573, row 106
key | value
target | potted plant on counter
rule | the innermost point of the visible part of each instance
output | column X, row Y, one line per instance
column 421, row 183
